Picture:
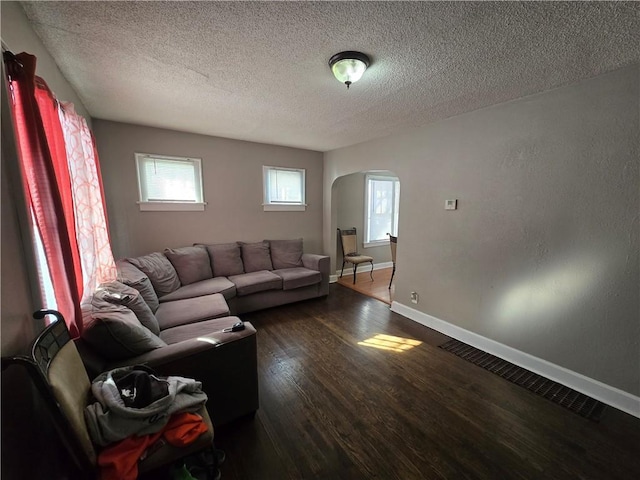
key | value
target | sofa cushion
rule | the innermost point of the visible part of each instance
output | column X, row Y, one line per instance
column 226, row 259
column 253, row 282
column 211, row 330
column 121, row 294
column 298, row 277
column 115, row 332
column 134, row 277
column 191, row 263
column 190, row 310
column 286, row 253
column 256, row 256
column 159, row 270
column 205, row 287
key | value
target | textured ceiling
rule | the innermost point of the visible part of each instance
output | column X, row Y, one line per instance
column 258, row 70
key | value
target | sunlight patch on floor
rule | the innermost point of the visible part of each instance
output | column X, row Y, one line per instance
column 389, row 342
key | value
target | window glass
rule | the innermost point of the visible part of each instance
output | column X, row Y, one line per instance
column 381, row 209
column 44, row 276
column 166, row 180
column 284, row 188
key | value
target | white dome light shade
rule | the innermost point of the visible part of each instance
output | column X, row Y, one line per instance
column 348, row 67
column 348, row 70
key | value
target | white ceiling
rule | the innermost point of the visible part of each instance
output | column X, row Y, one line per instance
column 258, row 70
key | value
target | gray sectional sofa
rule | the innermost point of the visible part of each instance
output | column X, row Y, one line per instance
column 172, row 311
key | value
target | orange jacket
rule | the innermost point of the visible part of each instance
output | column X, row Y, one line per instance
column 119, row 461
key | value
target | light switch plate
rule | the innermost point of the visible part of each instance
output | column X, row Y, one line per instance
column 451, row 204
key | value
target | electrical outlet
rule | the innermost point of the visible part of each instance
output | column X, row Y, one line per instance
column 414, row 297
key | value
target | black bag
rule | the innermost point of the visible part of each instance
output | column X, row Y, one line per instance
column 140, row 386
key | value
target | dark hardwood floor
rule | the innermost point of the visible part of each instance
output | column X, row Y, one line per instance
column 332, row 408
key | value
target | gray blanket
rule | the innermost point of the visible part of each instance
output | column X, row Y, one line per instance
column 109, row 419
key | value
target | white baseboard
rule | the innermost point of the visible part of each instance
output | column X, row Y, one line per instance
column 349, row 271
column 615, row 397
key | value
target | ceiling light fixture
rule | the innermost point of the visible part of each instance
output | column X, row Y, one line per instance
column 348, row 67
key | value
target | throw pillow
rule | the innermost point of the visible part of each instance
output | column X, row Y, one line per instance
column 191, row 263
column 225, row 259
column 255, row 256
column 286, row 253
column 132, row 276
column 121, row 294
column 159, row 270
column 115, row 332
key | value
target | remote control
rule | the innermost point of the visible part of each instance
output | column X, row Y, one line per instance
column 237, row 327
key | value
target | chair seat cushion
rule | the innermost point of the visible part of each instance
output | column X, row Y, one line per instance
column 204, row 287
column 253, row 282
column 190, row 310
column 298, row 277
column 358, row 259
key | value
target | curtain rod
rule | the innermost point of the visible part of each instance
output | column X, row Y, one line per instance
column 8, row 54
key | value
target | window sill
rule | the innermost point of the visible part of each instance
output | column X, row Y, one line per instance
column 284, row 208
column 171, row 207
column 377, row 243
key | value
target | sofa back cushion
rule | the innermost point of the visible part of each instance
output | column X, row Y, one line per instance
column 115, row 332
column 256, row 256
column 226, row 259
column 134, row 277
column 158, row 268
column 286, row 253
column 191, row 263
column 121, row 294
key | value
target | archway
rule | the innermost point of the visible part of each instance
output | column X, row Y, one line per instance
column 369, row 201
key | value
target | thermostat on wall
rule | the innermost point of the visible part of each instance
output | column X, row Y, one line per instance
column 451, row 204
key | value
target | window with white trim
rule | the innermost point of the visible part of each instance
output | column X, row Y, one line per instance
column 169, row 183
column 381, row 208
column 284, row 189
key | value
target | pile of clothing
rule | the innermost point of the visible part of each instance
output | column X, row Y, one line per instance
column 136, row 411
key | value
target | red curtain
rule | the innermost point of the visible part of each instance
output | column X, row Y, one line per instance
column 48, row 106
column 42, row 152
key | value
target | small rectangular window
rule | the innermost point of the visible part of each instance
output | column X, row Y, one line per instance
column 284, row 189
column 381, row 209
column 169, row 183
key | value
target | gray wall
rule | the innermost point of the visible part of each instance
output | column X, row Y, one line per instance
column 232, row 178
column 542, row 253
column 350, row 192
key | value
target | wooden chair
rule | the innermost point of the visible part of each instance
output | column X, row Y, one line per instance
column 60, row 377
column 349, row 240
column 393, row 243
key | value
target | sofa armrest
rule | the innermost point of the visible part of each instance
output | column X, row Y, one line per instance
column 226, row 366
column 321, row 264
column 170, row 353
column 316, row 262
